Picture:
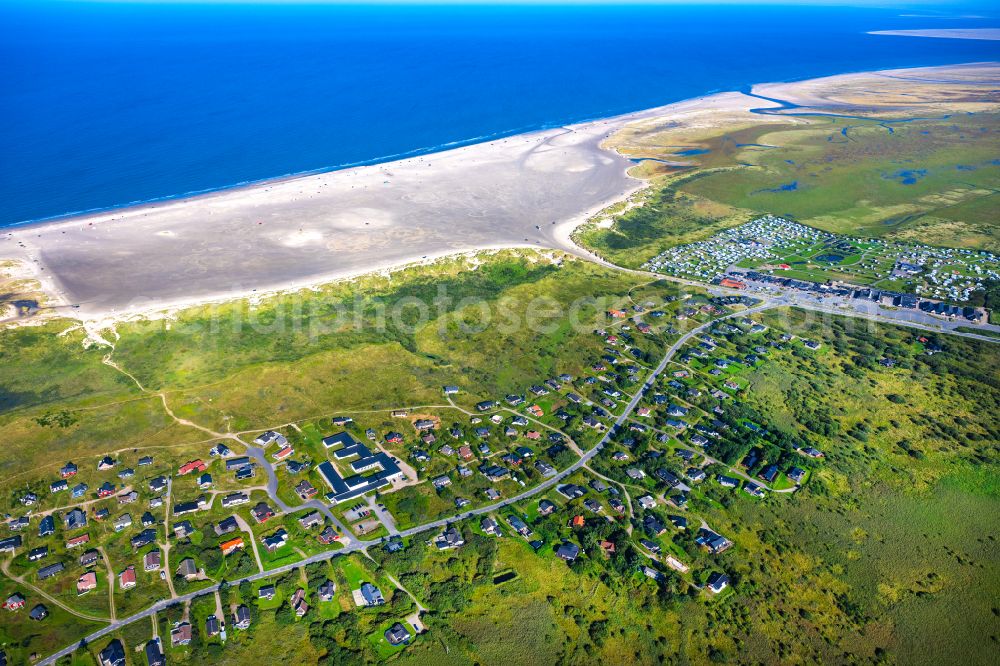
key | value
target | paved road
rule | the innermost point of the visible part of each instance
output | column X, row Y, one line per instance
column 359, row 545
column 846, row 308
column 260, row 456
column 245, row 527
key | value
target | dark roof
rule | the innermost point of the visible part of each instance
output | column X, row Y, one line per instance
column 50, row 570
column 47, row 526
column 154, row 656
column 341, row 438
column 568, row 551
column 242, row 615
column 397, row 634
column 113, row 654
column 717, row 579
column 227, row 525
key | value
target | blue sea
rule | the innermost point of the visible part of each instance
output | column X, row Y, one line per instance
column 108, row 104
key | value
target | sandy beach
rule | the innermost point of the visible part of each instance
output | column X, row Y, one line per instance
column 302, row 231
column 529, row 190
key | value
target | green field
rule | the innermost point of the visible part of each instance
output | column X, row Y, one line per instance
column 890, row 534
column 886, row 529
column 237, row 367
column 868, row 181
column 927, row 181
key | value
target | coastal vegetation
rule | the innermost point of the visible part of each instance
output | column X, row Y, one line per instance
column 244, row 366
column 169, row 389
column 929, row 180
column 833, row 560
column 569, row 463
column 822, row 575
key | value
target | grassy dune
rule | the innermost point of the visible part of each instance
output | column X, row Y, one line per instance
column 889, row 550
column 240, row 366
column 855, row 177
column 886, row 555
column 932, row 181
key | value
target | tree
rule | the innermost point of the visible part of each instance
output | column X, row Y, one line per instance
column 284, row 615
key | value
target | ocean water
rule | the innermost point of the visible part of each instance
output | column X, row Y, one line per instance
column 104, row 105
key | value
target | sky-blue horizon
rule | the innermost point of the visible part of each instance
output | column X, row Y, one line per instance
column 922, row 4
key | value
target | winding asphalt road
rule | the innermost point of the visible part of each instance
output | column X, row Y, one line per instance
column 359, row 545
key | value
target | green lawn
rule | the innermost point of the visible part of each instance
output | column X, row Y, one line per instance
column 354, row 573
column 384, row 649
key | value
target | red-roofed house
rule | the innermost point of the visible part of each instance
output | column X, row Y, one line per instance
column 192, row 466
column 231, row 546
column 14, row 602
column 126, row 579
column 86, row 582
column 78, row 541
column 283, row 453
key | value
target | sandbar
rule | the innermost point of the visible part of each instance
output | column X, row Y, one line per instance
column 990, row 34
